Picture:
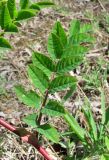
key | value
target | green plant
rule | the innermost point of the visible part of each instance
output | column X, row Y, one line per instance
column 50, row 74
column 95, row 76
column 97, row 132
column 11, row 14
column 107, row 22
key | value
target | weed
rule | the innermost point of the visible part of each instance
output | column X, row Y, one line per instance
column 96, row 75
column 50, row 74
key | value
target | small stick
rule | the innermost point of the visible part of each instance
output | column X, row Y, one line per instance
column 101, row 5
column 99, row 50
column 26, row 137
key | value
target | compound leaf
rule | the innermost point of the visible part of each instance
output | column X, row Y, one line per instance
column 29, row 98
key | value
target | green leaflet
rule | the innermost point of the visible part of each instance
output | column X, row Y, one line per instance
column 103, row 118
column 4, row 43
column 43, row 62
column 68, row 63
column 39, row 79
column 31, row 120
column 69, row 158
column 80, row 33
column 12, row 8
column 25, row 14
column 86, row 28
column 55, row 47
column 18, row 24
column 74, row 27
column 44, row 4
column 103, row 107
column 53, row 108
column 62, row 82
column 57, row 41
column 34, row 6
column 5, row 18
column 89, row 117
column 69, row 93
column 11, row 28
column 49, row 132
column 105, row 157
column 59, row 31
column 107, row 142
column 107, row 116
column 29, row 98
column 74, row 50
column 83, row 38
column 24, row 4
column 2, row 2
column 74, row 125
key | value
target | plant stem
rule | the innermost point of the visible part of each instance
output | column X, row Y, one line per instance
column 44, row 102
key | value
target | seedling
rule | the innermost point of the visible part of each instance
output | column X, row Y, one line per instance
column 50, row 74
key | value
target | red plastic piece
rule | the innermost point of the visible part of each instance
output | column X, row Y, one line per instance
column 26, row 137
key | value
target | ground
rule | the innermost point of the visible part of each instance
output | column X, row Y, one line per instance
column 33, row 36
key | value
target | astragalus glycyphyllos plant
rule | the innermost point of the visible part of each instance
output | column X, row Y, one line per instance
column 12, row 13
column 50, row 74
